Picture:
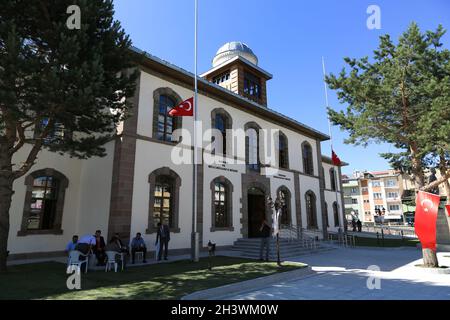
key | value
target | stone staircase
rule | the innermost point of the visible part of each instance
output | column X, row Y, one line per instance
column 250, row 247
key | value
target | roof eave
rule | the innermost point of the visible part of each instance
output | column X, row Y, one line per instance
column 250, row 106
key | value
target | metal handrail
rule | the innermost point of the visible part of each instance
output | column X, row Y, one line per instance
column 343, row 239
column 293, row 232
column 388, row 230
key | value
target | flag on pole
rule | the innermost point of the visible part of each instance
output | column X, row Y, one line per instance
column 335, row 159
column 447, row 206
column 184, row 109
column 427, row 206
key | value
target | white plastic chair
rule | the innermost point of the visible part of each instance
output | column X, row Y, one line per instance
column 139, row 255
column 111, row 260
column 74, row 259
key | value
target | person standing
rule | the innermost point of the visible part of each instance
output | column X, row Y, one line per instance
column 99, row 248
column 354, row 225
column 265, row 239
column 163, row 235
column 359, row 225
column 138, row 245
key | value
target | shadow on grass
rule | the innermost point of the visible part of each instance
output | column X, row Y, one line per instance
column 162, row 281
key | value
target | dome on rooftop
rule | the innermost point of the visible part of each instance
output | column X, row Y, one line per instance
column 232, row 49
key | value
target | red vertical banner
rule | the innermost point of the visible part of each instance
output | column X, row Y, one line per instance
column 427, row 206
column 447, row 206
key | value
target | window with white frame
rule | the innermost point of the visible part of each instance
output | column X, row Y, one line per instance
column 391, row 183
column 394, row 207
column 392, row 195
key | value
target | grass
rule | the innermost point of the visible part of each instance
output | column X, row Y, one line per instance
column 161, row 281
column 372, row 242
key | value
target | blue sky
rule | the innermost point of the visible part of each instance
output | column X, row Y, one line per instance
column 289, row 38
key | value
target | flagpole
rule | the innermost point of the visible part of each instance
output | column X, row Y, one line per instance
column 195, row 252
column 330, row 131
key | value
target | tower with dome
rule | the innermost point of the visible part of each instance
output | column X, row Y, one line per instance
column 235, row 67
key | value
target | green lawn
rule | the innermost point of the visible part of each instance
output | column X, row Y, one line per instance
column 162, row 281
column 372, row 242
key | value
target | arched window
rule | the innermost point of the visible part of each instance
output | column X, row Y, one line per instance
column 286, row 210
column 307, row 156
column 164, row 199
column 311, row 211
column 252, row 148
column 221, row 120
column 336, row 214
column 221, row 209
column 163, row 123
column 333, row 179
column 44, row 202
column 283, row 154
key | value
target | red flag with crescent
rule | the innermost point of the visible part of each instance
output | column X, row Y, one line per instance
column 184, row 109
column 427, row 206
column 447, row 206
column 335, row 159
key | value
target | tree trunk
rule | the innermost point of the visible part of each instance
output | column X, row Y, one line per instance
column 429, row 258
column 443, row 171
column 6, row 192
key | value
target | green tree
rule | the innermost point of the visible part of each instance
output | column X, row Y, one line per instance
column 401, row 97
column 61, row 89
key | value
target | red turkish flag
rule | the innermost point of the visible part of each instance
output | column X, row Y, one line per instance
column 184, row 109
column 427, row 206
column 447, row 206
column 335, row 158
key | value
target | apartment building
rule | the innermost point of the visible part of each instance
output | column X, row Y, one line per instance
column 374, row 196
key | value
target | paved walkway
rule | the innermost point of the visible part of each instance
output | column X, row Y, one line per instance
column 343, row 274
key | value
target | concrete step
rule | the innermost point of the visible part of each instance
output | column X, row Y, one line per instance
column 251, row 248
column 283, row 245
column 273, row 255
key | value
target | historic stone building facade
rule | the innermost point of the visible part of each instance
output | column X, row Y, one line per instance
column 139, row 184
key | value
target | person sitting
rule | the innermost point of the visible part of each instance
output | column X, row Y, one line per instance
column 138, row 245
column 72, row 245
column 99, row 248
column 123, row 248
column 85, row 244
column 114, row 246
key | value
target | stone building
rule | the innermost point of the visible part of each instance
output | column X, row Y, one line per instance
column 139, row 184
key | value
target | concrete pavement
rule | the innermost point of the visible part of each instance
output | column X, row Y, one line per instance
column 342, row 274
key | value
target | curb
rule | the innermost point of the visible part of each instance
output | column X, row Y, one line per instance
column 253, row 284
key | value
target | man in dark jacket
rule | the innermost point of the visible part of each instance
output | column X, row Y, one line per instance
column 359, row 225
column 163, row 236
column 99, row 248
column 265, row 239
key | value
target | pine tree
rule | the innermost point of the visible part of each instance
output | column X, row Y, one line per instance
column 61, row 89
column 402, row 97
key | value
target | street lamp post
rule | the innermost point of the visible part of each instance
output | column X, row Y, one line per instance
column 278, row 205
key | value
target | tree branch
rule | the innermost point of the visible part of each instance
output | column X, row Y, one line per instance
column 34, row 151
column 436, row 183
column 21, row 133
